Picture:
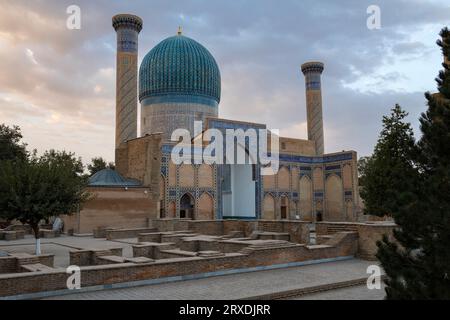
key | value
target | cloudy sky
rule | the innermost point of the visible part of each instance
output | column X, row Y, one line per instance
column 58, row 84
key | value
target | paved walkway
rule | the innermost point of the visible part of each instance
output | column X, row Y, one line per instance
column 350, row 293
column 239, row 286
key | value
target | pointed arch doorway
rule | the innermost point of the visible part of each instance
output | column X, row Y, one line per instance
column 187, row 206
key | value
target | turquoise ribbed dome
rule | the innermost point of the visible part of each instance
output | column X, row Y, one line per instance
column 179, row 66
column 111, row 178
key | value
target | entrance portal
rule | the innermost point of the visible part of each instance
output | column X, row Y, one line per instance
column 238, row 191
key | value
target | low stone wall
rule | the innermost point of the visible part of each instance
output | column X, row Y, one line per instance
column 368, row 234
column 11, row 235
column 88, row 257
column 17, row 226
column 150, row 237
column 229, row 246
column 47, row 259
column 150, row 250
column 11, row 284
column 48, row 233
column 80, row 257
column 298, row 231
column 330, row 227
column 13, row 263
column 200, row 245
column 99, row 232
column 176, row 238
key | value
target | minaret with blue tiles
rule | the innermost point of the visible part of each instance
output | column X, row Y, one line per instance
column 127, row 27
column 312, row 71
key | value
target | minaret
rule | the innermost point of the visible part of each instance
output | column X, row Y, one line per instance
column 127, row 27
column 312, row 72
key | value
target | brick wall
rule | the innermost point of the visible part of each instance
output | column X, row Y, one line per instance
column 295, row 146
column 210, row 227
column 270, row 226
column 47, row 259
column 113, row 207
column 8, row 265
column 170, row 224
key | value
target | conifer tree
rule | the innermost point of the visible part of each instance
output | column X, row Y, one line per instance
column 417, row 263
column 389, row 172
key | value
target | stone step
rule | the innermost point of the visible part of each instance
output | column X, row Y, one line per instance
column 112, row 259
column 268, row 245
column 101, row 252
column 210, row 254
column 139, row 260
column 341, row 228
column 36, row 267
column 233, row 235
column 310, row 290
column 178, row 252
column 25, row 258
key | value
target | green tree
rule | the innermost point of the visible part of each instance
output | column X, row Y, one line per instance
column 417, row 263
column 11, row 147
column 362, row 165
column 39, row 188
column 388, row 176
column 63, row 158
column 98, row 164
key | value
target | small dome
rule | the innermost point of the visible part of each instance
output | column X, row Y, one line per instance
column 179, row 66
column 111, row 178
